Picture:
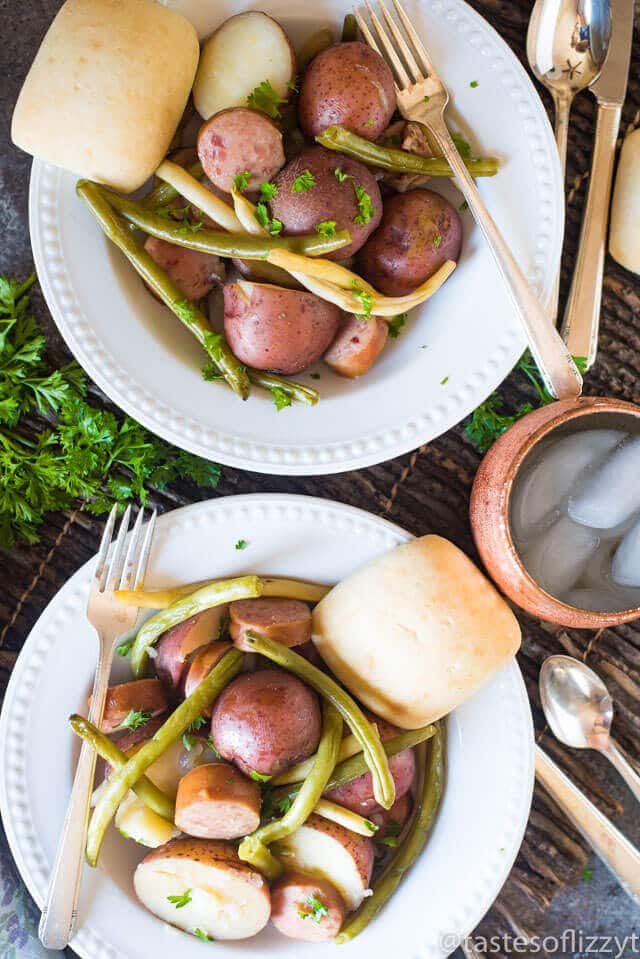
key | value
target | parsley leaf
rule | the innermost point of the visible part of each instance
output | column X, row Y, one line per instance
column 124, row 648
column 188, row 739
column 365, row 207
column 280, row 398
column 210, row 372
column 326, row 228
column 445, row 379
column 341, row 176
column 180, row 901
column 315, row 910
column 259, row 777
column 461, row 145
column 202, row 935
column 391, row 833
column 395, row 324
column 369, row 122
column 262, row 216
column 304, row 182
column 474, row 84
column 241, row 180
column 242, row 544
column 587, row 874
column 135, row 719
column 265, row 99
column 294, row 84
column 213, row 345
column 268, row 191
column 365, row 299
column 437, row 239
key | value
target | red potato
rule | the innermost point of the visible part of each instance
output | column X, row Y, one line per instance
column 271, row 328
column 357, row 795
column 266, row 721
column 238, row 140
column 306, row 907
column 393, row 820
column 193, row 272
column 227, row 899
column 287, row 621
column 176, row 645
column 329, row 198
column 348, row 84
column 200, row 664
column 325, row 849
column 357, row 345
column 141, row 695
column 216, row 801
column 419, row 231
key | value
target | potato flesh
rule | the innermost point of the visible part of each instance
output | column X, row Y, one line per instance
column 311, row 851
column 246, row 50
column 136, row 821
column 224, row 904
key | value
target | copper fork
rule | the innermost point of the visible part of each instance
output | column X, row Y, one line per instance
column 422, row 96
column 119, row 565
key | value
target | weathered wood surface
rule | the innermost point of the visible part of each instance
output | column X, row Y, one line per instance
column 427, row 490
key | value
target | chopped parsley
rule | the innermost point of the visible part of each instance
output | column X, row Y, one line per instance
column 274, row 226
column 210, row 372
column 426, row 99
column 395, row 324
column 341, row 176
column 463, row 206
column 242, row 544
column 180, row 901
column 391, row 833
column 294, row 84
column 213, row 749
column 124, row 648
column 265, row 99
column 369, row 122
column 259, row 777
column 188, row 739
column 365, row 206
column 314, row 376
column 315, row 910
column 474, row 84
column 202, row 935
column 241, row 180
column 587, row 874
column 135, row 719
column 189, row 227
column 326, row 228
column 268, row 191
column 371, row 826
column 280, row 398
column 437, row 239
column 304, row 182
column 445, row 379
column 365, row 299
column 185, row 310
column 213, row 345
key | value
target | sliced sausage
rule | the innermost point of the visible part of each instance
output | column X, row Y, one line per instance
column 178, row 643
column 287, row 621
column 216, row 801
column 306, row 907
column 200, row 665
column 194, row 273
column 239, row 140
column 146, row 696
column 357, row 346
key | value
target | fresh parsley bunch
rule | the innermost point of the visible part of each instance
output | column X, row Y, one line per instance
column 56, row 450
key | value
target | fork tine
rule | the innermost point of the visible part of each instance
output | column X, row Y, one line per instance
column 105, row 543
column 396, row 63
column 114, row 568
column 369, row 37
column 418, row 45
column 133, row 550
column 403, row 46
column 145, row 551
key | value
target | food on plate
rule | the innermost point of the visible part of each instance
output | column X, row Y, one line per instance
column 357, row 345
column 319, row 187
column 306, row 907
column 248, row 60
column 131, row 703
column 266, row 721
column 351, row 85
column 200, row 664
column 176, row 645
column 624, row 242
column 273, row 328
column 201, row 886
column 135, row 820
column 288, row 621
column 239, row 140
column 194, row 273
column 99, row 99
column 216, row 801
column 420, row 230
column 448, row 627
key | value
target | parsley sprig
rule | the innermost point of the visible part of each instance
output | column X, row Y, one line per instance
column 265, row 99
column 180, row 901
column 313, row 909
column 134, row 719
column 304, row 182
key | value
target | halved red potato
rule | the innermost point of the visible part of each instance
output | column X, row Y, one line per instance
column 200, row 664
column 391, row 822
column 306, row 907
column 328, row 850
column 201, row 884
column 175, row 646
column 238, row 140
column 142, row 696
column 244, row 52
column 216, row 801
column 193, row 272
column 357, row 345
column 134, row 820
column 287, row 621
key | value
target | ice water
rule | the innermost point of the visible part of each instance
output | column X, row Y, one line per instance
column 575, row 517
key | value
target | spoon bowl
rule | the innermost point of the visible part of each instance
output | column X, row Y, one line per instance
column 576, row 703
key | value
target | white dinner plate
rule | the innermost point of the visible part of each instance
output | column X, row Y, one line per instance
column 490, row 746
column 454, row 350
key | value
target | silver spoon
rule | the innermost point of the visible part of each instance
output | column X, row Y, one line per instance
column 567, row 43
column 579, row 710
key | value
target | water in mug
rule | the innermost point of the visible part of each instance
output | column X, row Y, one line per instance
column 575, row 518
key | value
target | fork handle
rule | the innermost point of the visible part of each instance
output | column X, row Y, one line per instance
column 60, row 912
column 558, row 371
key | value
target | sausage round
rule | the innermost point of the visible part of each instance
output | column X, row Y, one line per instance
column 200, row 664
column 266, row 721
column 239, row 140
column 287, row 621
column 306, row 907
column 193, row 272
column 216, row 801
column 357, row 345
column 142, row 695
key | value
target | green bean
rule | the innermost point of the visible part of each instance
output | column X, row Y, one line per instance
column 121, row 780
column 349, row 29
column 316, row 43
column 145, row 789
column 362, row 729
column 410, row 847
column 161, row 284
column 213, row 594
column 400, row 161
column 219, row 242
column 311, row 790
column 164, row 193
column 303, row 394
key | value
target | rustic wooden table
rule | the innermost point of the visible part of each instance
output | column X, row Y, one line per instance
column 424, row 491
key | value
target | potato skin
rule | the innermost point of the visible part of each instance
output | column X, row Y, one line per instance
column 289, row 896
column 266, row 722
column 348, row 84
column 328, row 198
column 419, row 231
column 272, row 328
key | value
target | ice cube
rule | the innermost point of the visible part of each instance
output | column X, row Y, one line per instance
column 625, row 567
column 611, row 492
column 557, row 466
column 596, row 600
column 557, row 558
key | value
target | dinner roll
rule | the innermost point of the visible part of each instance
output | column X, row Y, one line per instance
column 624, row 234
column 107, row 88
column 416, row 632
